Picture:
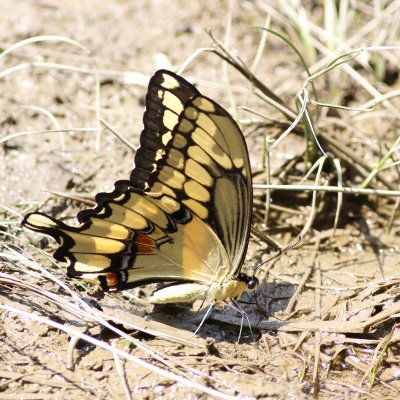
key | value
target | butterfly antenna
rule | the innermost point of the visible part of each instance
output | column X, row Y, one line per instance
column 261, row 310
column 204, row 318
column 279, row 253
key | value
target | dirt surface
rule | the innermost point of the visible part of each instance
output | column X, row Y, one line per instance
column 324, row 320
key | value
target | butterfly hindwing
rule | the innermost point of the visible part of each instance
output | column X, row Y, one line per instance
column 184, row 214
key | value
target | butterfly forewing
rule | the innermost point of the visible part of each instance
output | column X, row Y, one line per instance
column 206, row 167
column 165, row 100
column 184, row 215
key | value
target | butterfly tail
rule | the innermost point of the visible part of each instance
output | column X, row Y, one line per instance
column 42, row 223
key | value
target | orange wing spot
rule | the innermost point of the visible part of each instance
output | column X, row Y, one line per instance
column 112, row 279
column 142, row 249
column 140, row 238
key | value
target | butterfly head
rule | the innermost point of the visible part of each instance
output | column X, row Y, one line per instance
column 251, row 281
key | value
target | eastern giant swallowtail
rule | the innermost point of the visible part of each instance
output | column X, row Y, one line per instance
column 183, row 216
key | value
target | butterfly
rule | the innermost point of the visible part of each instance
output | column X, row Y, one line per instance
column 184, row 215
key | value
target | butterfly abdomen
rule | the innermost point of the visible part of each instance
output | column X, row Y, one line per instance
column 188, row 292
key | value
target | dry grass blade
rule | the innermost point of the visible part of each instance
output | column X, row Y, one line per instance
column 119, row 136
column 122, row 374
column 62, row 39
column 91, row 314
column 118, row 352
column 332, row 189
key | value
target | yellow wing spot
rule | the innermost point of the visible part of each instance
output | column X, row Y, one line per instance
column 94, row 244
column 207, row 124
column 145, row 207
column 171, row 177
column 176, row 159
column 119, row 198
column 169, row 82
column 179, row 141
column 194, row 170
column 91, row 262
column 211, row 147
column 153, row 167
column 199, row 155
column 39, row 222
column 196, row 191
column 102, row 211
column 236, row 149
column 191, row 113
column 167, row 204
column 215, row 125
column 196, row 207
column 159, row 188
column 165, row 139
column 204, row 104
column 170, row 119
column 128, row 218
column 101, row 227
column 172, row 102
column 239, row 163
column 185, row 126
column 159, row 154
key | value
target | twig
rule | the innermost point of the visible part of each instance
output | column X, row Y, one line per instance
column 317, row 339
column 333, row 189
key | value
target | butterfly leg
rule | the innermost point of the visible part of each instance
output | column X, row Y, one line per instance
column 204, row 318
column 243, row 313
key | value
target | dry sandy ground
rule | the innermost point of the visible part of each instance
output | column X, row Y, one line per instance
column 325, row 318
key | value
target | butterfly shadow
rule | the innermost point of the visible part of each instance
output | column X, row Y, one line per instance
column 227, row 321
